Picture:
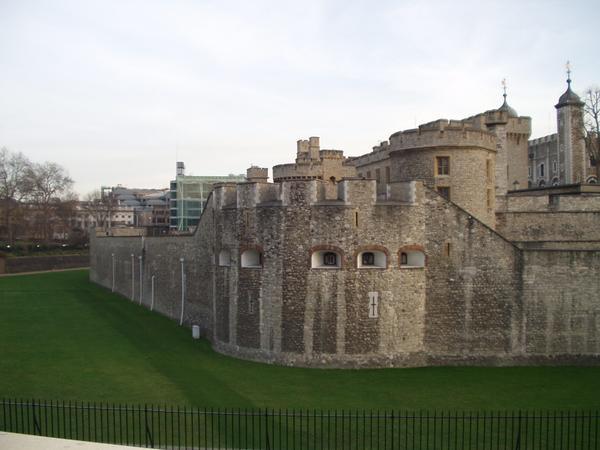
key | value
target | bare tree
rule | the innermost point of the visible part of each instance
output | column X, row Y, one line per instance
column 98, row 207
column 15, row 185
column 591, row 121
column 50, row 182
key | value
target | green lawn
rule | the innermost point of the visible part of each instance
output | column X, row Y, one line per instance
column 62, row 337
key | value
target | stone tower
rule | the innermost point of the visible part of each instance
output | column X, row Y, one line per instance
column 571, row 141
column 513, row 132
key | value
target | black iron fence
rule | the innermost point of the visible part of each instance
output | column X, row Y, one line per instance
column 213, row 428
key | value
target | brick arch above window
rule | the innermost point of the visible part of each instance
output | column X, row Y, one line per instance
column 378, row 250
column 415, row 256
column 321, row 250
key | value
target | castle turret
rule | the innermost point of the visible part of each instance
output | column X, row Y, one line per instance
column 571, row 141
column 513, row 132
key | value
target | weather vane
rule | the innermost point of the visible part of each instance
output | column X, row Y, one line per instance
column 568, row 66
column 504, row 86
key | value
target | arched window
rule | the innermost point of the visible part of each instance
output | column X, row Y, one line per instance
column 224, row 258
column 371, row 259
column 412, row 257
column 542, row 183
column 326, row 259
column 554, row 181
column 251, row 258
column 592, row 180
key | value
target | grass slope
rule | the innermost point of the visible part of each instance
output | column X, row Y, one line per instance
column 62, row 337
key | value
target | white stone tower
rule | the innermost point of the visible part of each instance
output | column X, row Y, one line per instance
column 571, row 137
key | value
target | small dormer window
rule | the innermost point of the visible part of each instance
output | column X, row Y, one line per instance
column 368, row 259
column 330, row 259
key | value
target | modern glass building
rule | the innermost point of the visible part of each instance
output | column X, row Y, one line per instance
column 188, row 195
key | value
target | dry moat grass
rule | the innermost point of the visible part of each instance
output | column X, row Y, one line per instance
column 64, row 338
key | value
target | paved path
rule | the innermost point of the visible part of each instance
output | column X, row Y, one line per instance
column 14, row 441
column 41, row 271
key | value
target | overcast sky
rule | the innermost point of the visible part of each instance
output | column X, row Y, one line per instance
column 117, row 91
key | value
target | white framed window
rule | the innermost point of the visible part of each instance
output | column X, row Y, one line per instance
column 412, row 258
column 224, row 258
column 373, row 305
column 251, row 259
column 326, row 259
column 371, row 259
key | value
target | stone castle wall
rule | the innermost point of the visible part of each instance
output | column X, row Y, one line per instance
column 548, row 220
column 473, row 301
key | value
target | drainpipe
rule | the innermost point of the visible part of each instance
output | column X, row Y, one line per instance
column 113, row 272
column 132, row 278
column 182, row 291
column 141, row 287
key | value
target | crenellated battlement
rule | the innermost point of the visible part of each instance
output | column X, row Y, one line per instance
column 443, row 133
column 348, row 192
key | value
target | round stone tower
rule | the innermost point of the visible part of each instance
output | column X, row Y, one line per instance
column 452, row 158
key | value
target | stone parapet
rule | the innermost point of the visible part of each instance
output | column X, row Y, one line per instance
column 443, row 133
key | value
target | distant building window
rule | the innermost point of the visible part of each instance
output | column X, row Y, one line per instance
column 444, row 191
column 442, row 165
column 403, row 259
column 488, row 169
column 554, row 167
column 490, row 198
column 368, row 174
column 529, row 172
column 378, row 176
column 541, row 170
column 387, row 174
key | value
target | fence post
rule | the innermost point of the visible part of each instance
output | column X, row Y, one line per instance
column 182, row 291
column 132, row 277
column 152, row 296
column 113, row 272
column 141, row 283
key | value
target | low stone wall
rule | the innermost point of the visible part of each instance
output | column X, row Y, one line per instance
column 23, row 264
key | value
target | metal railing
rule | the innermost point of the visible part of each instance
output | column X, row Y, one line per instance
column 214, row 428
